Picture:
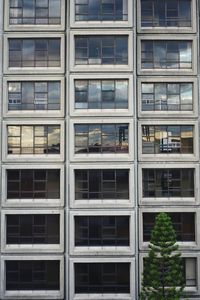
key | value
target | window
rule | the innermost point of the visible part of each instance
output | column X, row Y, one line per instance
column 24, row 53
column 101, row 231
column 101, row 94
column 34, row 95
column 30, row 275
column 102, row 184
column 32, row 229
column 167, row 96
column 166, row 54
column 168, row 183
column 101, row 10
column 96, row 138
column 33, row 184
column 183, row 223
column 166, row 13
column 167, row 139
column 97, row 50
column 38, row 12
column 36, row 139
column 190, row 272
column 102, row 278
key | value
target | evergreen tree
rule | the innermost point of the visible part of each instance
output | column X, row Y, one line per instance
column 163, row 269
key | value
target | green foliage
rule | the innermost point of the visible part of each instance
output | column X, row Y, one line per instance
column 163, row 269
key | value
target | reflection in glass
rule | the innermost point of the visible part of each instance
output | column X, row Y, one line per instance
column 101, row 94
column 101, row 50
column 166, row 13
column 38, row 139
column 167, row 96
column 101, row 10
column 34, row 95
column 34, row 52
column 42, row 12
column 167, row 139
column 99, row 138
column 166, row 54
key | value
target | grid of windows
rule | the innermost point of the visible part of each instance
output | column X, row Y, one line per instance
column 168, row 182
column 33, row 184
column 166, row 13
column 37, row 12
column 28, row 275
column 101, row 94
column 183, row 223
column 32, row 229
column 166, row 54
column 167, row 96
column 167, row 139
column 34, row 95
column 101, row 184
column 30, row 52
column 97, row 138
column 101, row 231
column 102, row 278
column 101, row 10
column 97, row 50
column 33, row 139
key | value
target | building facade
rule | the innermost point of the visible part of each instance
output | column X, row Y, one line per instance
column 99, row 132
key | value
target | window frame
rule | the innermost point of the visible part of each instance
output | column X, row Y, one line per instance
column 30, row 113
column 31, row 248
column 191, row 29
column 183, row 245
column 187, row 254
column 39, row 27
column 169, row 156
column 102, row 250
column 32, row 202
column 169, row 113
column 32, row 294
column 102, row 156
column 101, row 112
column 169, row 201
column 101, row 67
column 33, row 70
column 74, row 296
column 105, row 203
column 32, row 157
column 101, row 24
column 164, row 71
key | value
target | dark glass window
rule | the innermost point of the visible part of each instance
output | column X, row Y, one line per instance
column 33, row 184
column 101, row 10
column 166, row 13
column 183, row 223
column 30, row 275
column 97, row 138
column 97, row 50
column 167, row 139
column 34, row 95
column 168, row 182
column 102, row 278
column 32, row 229
column 166, row 54
column 33, row 139
column 37, row 12
column 101, row 94
column 101, row 231
column 102, row 184
column 167, row 96
column 25, row 53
